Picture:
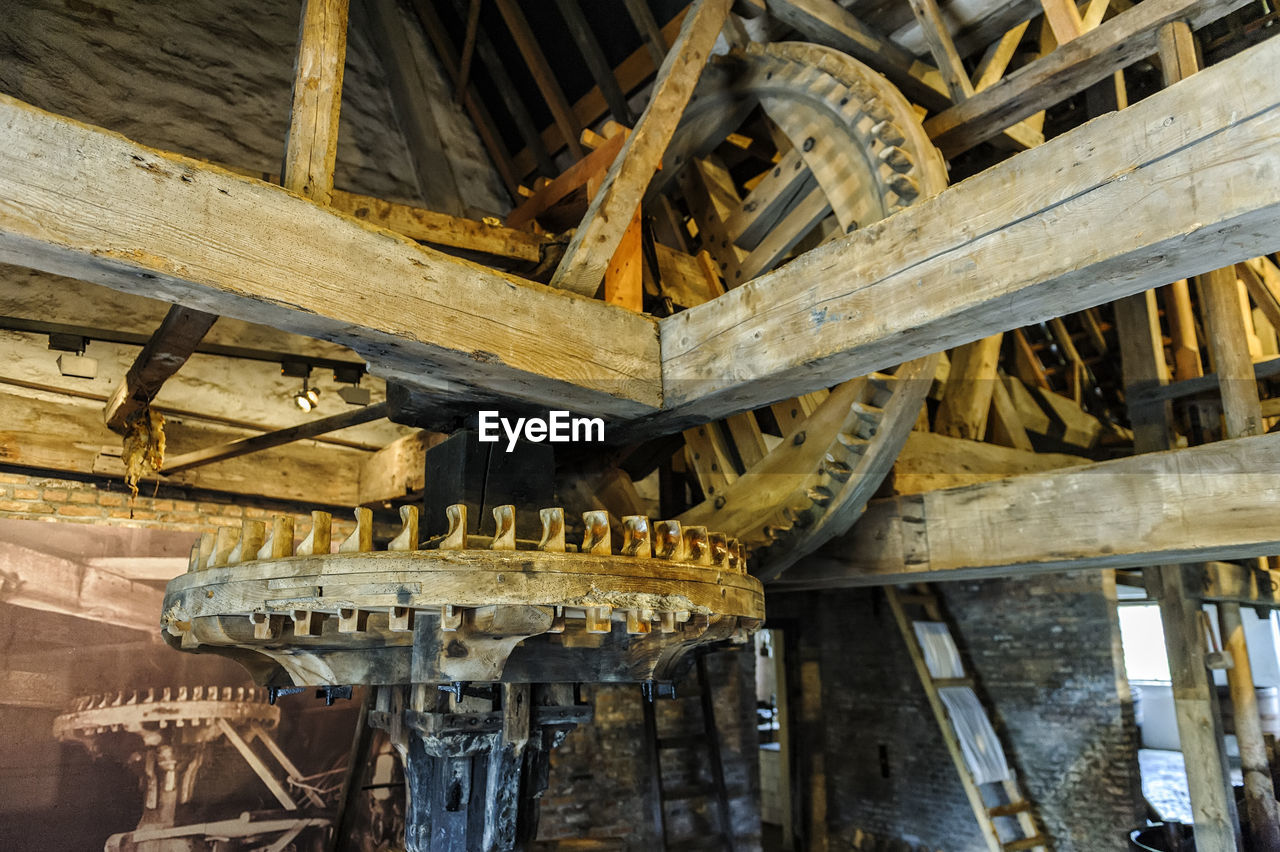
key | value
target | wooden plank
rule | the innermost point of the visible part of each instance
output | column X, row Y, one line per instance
column 278, row 438
column 312, row 145
column 1218, row 501
column 442, row 229
column 238, row 247
column 1071, row 68
column 997, row 58
column 623, row 277
column 1262, row 279
column 932, row 462
column 571, row 179
column 1007, row 428
column 597, row 64
column 597, row 238
column 168, row 349
column 542, row 74
column 938, row 37
column 967, row 400
column 1063, row 18
column 921, row 277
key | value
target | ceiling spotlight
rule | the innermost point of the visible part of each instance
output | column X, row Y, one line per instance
column 307, row 398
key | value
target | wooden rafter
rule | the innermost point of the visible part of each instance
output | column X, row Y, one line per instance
column 540, row 70
column 1212, row 502
column 168, row 349
column 1071, row 68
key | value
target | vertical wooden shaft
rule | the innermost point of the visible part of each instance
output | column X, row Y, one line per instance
column 1195, row 700
column 312, row 146
column 1229, row 344
column 1182, row 328
column 1259, row 793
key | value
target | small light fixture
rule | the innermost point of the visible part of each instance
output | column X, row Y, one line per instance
column 307, row 398
column 354, row 395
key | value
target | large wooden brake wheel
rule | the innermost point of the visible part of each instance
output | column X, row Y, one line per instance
column 847, row 150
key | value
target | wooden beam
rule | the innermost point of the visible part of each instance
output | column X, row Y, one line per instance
column 967, row 399
column 398, row 471
column 1217, row 501
column 920, row 273
column 938, row 37
column 1069, row 69
column 44, row 581
column 567, row 182
column 312, row 146
column 1225, row 330
column 168, row 227
column 597, row 238
column 410, row 88
column 168, row 349
column 447, row 56
column 642, row 16
column 278, row 438
column 630, row 74
column 932, row 462
column 442, row 229
column 597, row 64
column 542, row 74
column 68, row 436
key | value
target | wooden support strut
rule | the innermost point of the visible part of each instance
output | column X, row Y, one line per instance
column 610, row 213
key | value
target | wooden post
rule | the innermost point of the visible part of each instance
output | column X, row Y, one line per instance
column 312, row 146
column 1229, row 346
column 967, row 399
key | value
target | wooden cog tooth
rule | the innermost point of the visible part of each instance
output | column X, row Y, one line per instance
column 224, row 541
column 262, row 625
column 599, row 619
column 504, row 534
column 279, row 543
column 552, row 530
column 197, row 694
column 557, row 621
column 668, row 540
column 456, row 537
column 246, row 549
column 408, row 537
column 719, row 546
column 636, row 540
column 201, row 550
column 182, row 693
column 596, row 537
column 697, row 548
column 450, row 618
column 352, row 620
column 820, row 495
column 639, row 621
column 361, row 538
column 667, row 622
column 306, row 622
column 400, row 619
column 733, row 554
column 836, row 469
column 319, row 540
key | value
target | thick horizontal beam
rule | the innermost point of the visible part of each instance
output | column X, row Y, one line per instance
column 86, row 203
column 44, row 581
column 1182, row 182
column 1214, row 502
column 1069, row 69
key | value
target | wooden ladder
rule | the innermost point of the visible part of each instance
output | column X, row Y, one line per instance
column 708, row 739
column 1015, row 806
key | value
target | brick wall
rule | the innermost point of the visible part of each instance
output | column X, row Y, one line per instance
column 600, row 776
column 1044, row 651
column 29, row 496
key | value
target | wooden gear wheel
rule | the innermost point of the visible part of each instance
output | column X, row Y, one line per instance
column 461, row 608
column 849, row 151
